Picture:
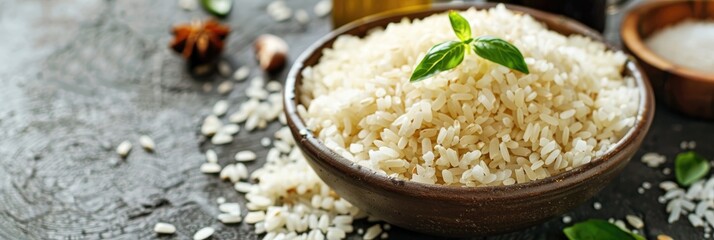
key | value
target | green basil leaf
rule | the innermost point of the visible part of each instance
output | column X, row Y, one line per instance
column 690, row 167
column 441, row 57
column 220, row 8
column 596, row 229
column 499, row 51
column 460, row 25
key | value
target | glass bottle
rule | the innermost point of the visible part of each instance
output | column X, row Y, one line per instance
column 345, row 11
column 589, row 12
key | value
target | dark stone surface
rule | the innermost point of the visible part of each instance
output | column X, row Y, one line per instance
column 80, row 76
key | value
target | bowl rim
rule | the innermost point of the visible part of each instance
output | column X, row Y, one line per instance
column 633, row 41
column 568, row 179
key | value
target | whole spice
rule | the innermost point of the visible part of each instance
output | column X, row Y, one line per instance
column 271, row 52
column 200, row 42
column 447, row 55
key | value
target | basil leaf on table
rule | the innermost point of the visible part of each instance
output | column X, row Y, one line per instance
column 596, row 229
column 461, row 26
column 690, row 167
column 220, row 8
column 439, row 58
column 499, row 51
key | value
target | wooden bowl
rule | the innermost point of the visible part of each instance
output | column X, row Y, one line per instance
column 689, row 91
column 461, row 211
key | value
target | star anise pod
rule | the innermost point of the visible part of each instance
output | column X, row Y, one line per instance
column 199, row 42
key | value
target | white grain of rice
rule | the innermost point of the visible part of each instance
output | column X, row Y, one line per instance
column 635, row 221
column 243, row 187
column 302, row 17
column 265, row 142
column 279, row 11
column 668, row 185
column 242, row 73
column 695, row 220
column 225, row 87
column 147, row 143
column 372, row 232
column 210, row 126
column 597, row 205
column 229, row 129
column 227, row 218
column 224, row 68
column 211, row 156
column 229, row 173
column 220, row 108
column 124, row 148
column 709, row 216
column 322, row 8
column 187, row 5
column 245, row 156
column 653, row 159
column 207, row 87
column 335, row 234
column 232, row 208
column 164, row 228
column 567, row 219
column 210, row 168
column 203, row 233
column 274, row 86
column 221, row 139
column 254, row 217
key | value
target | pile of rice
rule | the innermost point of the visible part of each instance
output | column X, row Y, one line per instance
column 480, row 124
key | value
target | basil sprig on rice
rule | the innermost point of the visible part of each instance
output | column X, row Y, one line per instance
column 447, row 55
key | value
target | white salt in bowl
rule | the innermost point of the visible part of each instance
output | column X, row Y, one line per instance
column 687, row 90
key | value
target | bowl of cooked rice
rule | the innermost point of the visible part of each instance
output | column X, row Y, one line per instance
column 480, row 149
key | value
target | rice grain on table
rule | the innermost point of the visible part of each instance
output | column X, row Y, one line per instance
column 220, row 108
column 203, row 233
column 147, row 143
column 245, row 156
column 229, row 218
column 230, row 129
column 210, row 126
column 225, row 87
column 164, row 228
column 480, row 124
column 221, row 138
column 124, row 148
column 210, row 167
column 287, row 200
column 211, row 156
column 241, row 73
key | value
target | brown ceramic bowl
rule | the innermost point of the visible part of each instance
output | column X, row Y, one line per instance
column 689, row 91
column 459, row 211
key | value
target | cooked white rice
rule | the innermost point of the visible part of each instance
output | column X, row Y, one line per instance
column 480, row 124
